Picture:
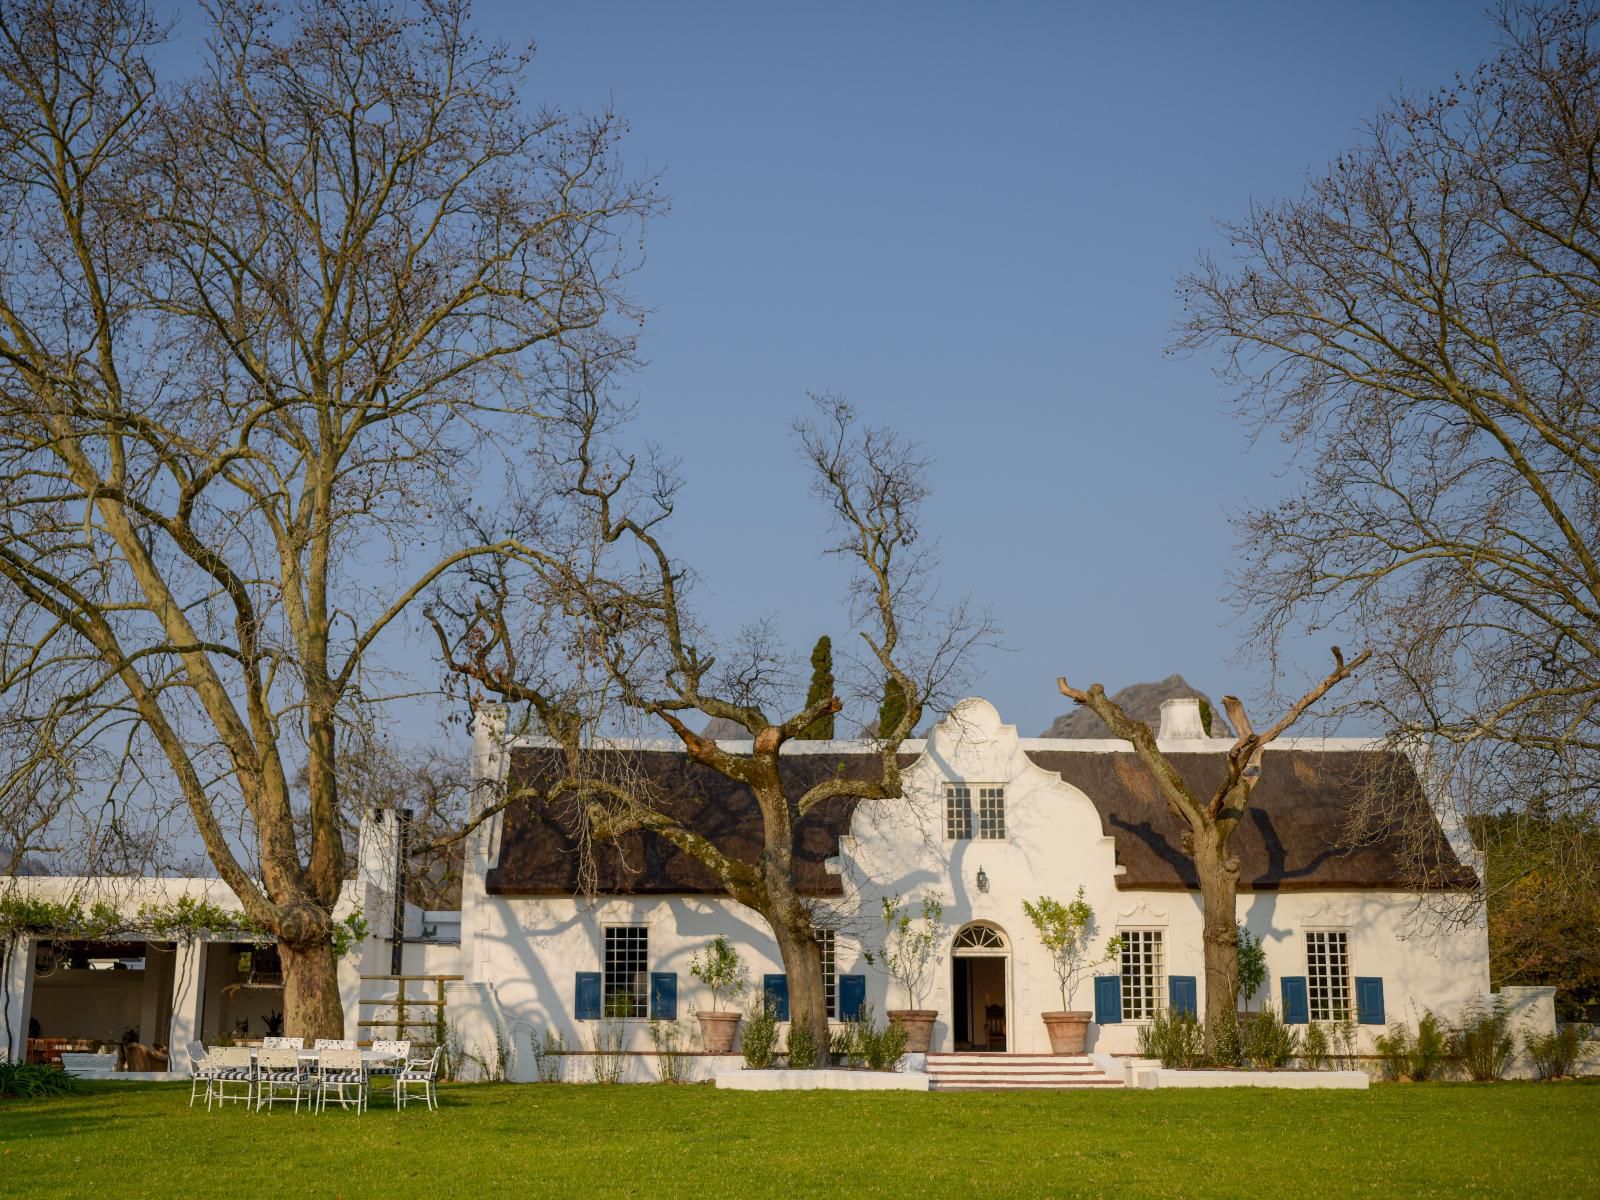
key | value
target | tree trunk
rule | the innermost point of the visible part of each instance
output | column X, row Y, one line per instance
column 1219, row 890
column 312, row 1006
column 802, row 963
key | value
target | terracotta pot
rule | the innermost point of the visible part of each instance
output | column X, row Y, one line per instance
column 918, row 1024
column 1068, row 1031
column 717, row 1030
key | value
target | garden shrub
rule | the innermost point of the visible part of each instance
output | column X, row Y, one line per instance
column 1226, row 1047
column 1269, row 1044
column 1418, row 1058
column 1482, row 1039
column 671, row 1042
column 549, row 1050
column 1555, row 1055
column 27, row 1081
column 862, row 1044
column 760, row 1041
column 802, row 1048
column 1344, row 1037
column 1314, row 1048
column 1177, row 1039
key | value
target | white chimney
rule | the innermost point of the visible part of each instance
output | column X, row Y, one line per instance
column 1180, row 720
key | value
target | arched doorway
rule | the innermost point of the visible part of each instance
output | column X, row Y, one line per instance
column 980, row 967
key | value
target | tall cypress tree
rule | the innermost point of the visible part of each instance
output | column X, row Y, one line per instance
column 893, row 706
column 821, row 729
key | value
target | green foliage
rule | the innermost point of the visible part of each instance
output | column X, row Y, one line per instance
column 910, row 945
column 759, row 1043
column 605, row 1044
column 821, row 689
column 1227, row 1049
column 349, row 933
column 1483, row 1041
column 1252, row 965
column 1409, row 1057
column 671, row 1043
column 29, row 1081
column 1176, row 1038
column 862, row 1044
column 893, row 708
column 721, row 970
column 1555, row 1055
column 1344, row 1040
column 802, row 1047
column 1268, row 1044
column 1314, row 1048
column 549, row 1055
column 1064, row 931
column 1205, row 716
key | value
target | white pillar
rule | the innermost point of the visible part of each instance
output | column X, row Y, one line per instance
column 188, row 1002
column 18, row 984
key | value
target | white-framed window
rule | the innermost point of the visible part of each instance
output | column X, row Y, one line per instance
column 1144, row 974
column 957, row 812
column 830, row 980
column 625, row 983
column 1328, row 974
column 992, row 813
column 962, row 822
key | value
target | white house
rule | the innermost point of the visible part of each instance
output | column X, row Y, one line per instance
column 987, row 820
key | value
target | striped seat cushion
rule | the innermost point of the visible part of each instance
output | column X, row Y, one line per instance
column 233, row 1073
column 415, row 1076
column 342, row 1077
column 282, row 1076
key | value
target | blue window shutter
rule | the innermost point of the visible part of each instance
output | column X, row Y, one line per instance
column 1296, row 1007
column 663, row 996
column 1108, row 999
column 1369, row 1001
column 588, row 996
column 1182, row 994
column 852, row 996
column 776, row 989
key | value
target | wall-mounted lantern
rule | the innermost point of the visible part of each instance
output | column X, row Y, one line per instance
column 983, row 880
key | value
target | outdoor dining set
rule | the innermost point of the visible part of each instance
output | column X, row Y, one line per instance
column 335, row 1070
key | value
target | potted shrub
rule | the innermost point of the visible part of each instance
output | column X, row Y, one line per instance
column 721, row 970
column 1065, row 931
column 907, row 954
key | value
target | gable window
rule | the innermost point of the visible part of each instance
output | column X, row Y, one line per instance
column 960, row 820
column 957, row 812
column 830, row 980
column 627, row 971
column 1144, row 974
column 1328, row 974
column 992, row 812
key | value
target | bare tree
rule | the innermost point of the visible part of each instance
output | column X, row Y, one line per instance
column 259, row 332
column 630, row 623
column 1421, row 327
column 1211, row 820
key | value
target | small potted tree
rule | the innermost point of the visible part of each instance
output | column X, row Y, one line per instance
column 907, row 954
column 721, row 970
column 1065, row 931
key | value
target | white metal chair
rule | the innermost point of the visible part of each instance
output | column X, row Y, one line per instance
column 231, row 1065
column 283, row 1043
column 201, row 1070
column 277, row 1069
column 332, row 1044
column 419, row 1073
column 341, row 1070
column 400, row 1052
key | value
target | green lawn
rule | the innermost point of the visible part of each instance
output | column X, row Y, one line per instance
column 121, row 1140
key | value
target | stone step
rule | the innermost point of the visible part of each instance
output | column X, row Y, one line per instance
column 1030, row 1072
column 1075, row 1059
column 1017, row 1085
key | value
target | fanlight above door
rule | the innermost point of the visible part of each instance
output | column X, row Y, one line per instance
column 979, row 939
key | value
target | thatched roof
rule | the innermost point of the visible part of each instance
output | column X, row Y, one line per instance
column 1293, row 837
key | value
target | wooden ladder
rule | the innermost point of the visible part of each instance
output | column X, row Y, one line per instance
column 400, row 1002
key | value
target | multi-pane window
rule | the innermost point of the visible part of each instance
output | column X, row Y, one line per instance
column 957, row 811
column 830, row 981
column 1144, row 974
column 1328, row 974
column 626, row 990
column 991, row 812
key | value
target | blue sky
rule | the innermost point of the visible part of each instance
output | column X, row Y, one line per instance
column 969, row 218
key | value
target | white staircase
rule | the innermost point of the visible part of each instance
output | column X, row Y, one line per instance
column 1030, row 1072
